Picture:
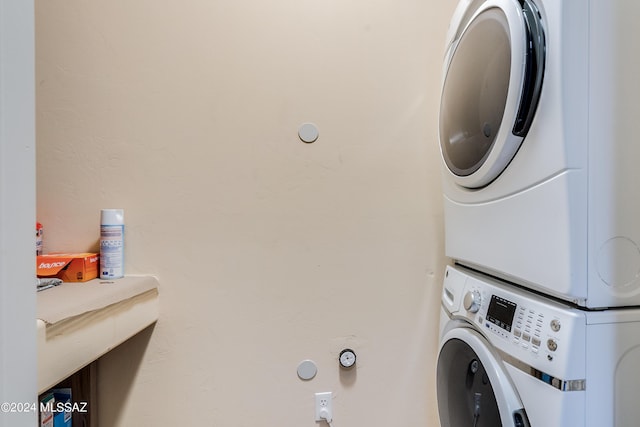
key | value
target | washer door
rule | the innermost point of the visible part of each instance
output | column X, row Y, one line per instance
column 494, row 70
column 473, row 387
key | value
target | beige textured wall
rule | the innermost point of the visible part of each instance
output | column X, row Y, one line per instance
column 269, row 251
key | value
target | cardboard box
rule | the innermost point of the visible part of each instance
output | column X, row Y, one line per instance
column 64, row 407
column 47, row 405
column 78, row 267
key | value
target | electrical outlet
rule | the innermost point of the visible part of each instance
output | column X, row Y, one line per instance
column 324, row 408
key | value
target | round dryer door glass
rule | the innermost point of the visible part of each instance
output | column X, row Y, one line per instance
column 475, row 93
column 493, row 81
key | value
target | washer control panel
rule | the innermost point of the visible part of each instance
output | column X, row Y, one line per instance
column 527, row 326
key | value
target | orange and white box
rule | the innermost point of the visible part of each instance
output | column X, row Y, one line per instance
column 70, row 267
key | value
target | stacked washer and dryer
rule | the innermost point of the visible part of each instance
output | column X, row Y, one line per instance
column 540, row 317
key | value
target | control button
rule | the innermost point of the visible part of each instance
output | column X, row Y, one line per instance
column 555, row 325
column 534, row 350
column 517, row 333
column 552, row 345
column 524, row 345
column 536, row 342
column 526, row 337
column 472, row 301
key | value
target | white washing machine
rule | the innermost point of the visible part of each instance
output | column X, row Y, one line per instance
column 540, row 147
column 512, row 358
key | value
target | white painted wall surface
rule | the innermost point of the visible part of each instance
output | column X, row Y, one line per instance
column 17, row 215
column 269, row 251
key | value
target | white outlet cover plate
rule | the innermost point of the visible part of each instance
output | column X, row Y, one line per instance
column 324, row 400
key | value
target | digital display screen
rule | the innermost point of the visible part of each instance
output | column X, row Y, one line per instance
column 501, row 312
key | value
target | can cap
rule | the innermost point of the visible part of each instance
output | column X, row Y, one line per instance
column 112, row 216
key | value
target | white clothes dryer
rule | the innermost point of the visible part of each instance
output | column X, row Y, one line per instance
column 538, row 135
column 512, row 358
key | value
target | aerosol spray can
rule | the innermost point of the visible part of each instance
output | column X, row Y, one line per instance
column 39, row 233
column 111, row 243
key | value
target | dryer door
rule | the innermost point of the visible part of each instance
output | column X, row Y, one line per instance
column 473, row 387
column 493, row 75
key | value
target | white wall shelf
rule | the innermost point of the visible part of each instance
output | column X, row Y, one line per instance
column 79, row 322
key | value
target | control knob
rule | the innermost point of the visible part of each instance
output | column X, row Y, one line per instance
column 472, row 301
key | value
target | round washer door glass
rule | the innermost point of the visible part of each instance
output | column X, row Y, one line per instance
column 473, row 388
column 475, row 93
column 465, row 394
